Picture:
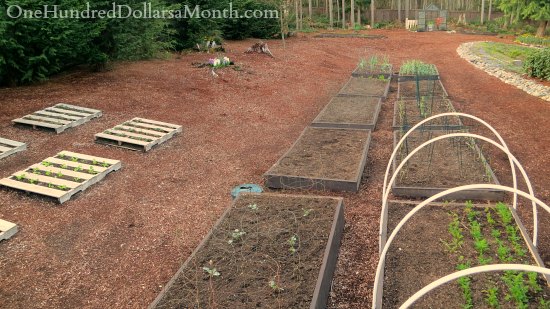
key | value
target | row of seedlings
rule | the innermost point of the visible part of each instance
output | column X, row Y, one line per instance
column 331, row 153
column 471, row 239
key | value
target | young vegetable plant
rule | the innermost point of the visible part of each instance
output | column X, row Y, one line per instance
column 292, row 241
column 236, row 236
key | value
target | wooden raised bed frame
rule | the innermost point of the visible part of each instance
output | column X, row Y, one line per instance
column 62, row 176
column 361, row 87
column 424, row 192
column 298, row 180
column 7, row 229
column 365, row 72
column 352, row 112
column 428, row 229
column 9, row 147
column 436, row 85
column 58, row 117
column 138, row 134
column 443, row 105
column 319, row 291
column 401, row 78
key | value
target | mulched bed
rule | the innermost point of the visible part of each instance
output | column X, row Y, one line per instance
column 424, row 251
column 121, row 242
column 408, row 113
column 266, row 251
column 349, row 112
column 366, row 86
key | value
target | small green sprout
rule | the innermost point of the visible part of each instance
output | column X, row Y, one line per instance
column 74, row 159
column 21, row 177
column 51, row 185
column 59, row 174
column 48, row 173
column 62, row 187
column 253, row 206
column 236, row 236
column 292, row 242
column 274, row 286
column 33, row 181
column 306, row 212
column 76, row 179
column 104, row 164
column 78, row 168
column 46, row 163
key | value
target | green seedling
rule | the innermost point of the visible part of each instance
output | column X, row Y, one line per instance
column 76, row 179
column 59, row 174
column 456, row 232
column 62, row 187
column 236, row 236
column 51, row 185
column 48, row 173
column 491, row 297
column 253, row 207
column 74, row 159
column 91, row 170
column 292, row 241
column 33, row 181
column 516, row 288
column 21, row 177
column 104, row 164
column 78, row 168
column 306, row 212
column 212, row 272
column 465, row 285
column 274, row 286
column 62, row 156
column 94, row 162
column 533, row 282
column 46, row 163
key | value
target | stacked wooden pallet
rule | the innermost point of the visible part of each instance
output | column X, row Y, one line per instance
column 9, row 147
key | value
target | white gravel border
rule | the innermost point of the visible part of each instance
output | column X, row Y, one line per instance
column 529, row 86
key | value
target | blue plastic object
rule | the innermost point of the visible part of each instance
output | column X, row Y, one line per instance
column 247, row 187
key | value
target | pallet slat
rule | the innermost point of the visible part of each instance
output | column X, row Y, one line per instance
column 66, row 172
column 74, row 187
column 75, row 116
column 12, row 148
column 163, row 131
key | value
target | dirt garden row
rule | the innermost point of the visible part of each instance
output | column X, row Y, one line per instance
column 122, row 241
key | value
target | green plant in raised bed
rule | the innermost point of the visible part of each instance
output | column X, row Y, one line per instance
column 94, row 162
column 516, row 288
column 21, row 177
column 51, row 185
column 386, row 66
column 465, row 285
column 253, row 207
column 292, row 241
column 78, row 168
column 64, row 166
column 417, row 67
column 105, row 164
column 456, row 232
column 236, row 236
column 491, row 297
column 33, row 181
column 362, row 63
column 212, row 272
column 36, row 170
column 46, row 163
column 373, row 61
column 533, row 283
column 61, row 156
column 543, row 304
column 275, row 286
column 306, row 212
column 76, row 179
column 48, row 173
column 59, row 174
column 91, row 170
column 74, row 159
column 63, row 187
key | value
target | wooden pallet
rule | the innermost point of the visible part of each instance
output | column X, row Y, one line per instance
column 62, row 175
column 9, row 147
column 59, row 117
column 138, row 134
column 7, row 229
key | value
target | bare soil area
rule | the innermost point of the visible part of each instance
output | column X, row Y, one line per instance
column 356, row 111
column 117, row 244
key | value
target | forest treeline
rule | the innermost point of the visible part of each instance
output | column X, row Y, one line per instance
column 31, row 49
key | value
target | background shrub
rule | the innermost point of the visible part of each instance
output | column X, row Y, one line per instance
column 538, row 64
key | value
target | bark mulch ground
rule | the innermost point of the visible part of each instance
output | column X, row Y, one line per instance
column 117, row 244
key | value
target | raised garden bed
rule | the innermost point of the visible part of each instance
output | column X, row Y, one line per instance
column 322, row 159
column 62, row 175
column 355, row 112
column 348, row 35
column 58, row 117
column 366, row 86
column 138, row 134
column 413, row 70
column 417, row 89
column 266, row 251
column 7, row 229
column 441, row 239
column 444, row 164
column 407, row 113
column 9, row 147
column 374, row 66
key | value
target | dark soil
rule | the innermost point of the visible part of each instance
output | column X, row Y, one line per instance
column 274, row 264
column 325, row 153
column 420, row 255
column 414, row 89
column 350, row 110
column 366, row 86
column 407, row 113
column 448, row 163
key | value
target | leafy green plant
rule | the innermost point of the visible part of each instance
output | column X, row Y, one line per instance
column 465, row 285
column 21, row 177
column 62, row 187
column 33, row 181
column 516, row 288
column 74, row 159
column 306, row 212
column 538, row 64
column 212, row 272
column 274, row 286
column 456, row 232
column 253, row 207
column 46, row 163
column 78, row 168
column 292, row 241
column 417, row 67
column 236, row 236
column 491, row 297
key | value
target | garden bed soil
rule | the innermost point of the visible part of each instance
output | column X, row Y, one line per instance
column 348, row 35
column 322, row 159
column 349, row 112
column 269, row 251
column 409, row 89
column 407, row 113
column 366, row 86
column 418, row 256
column 453, row 163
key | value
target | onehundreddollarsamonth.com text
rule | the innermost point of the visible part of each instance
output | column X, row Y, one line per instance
column 145, row 11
